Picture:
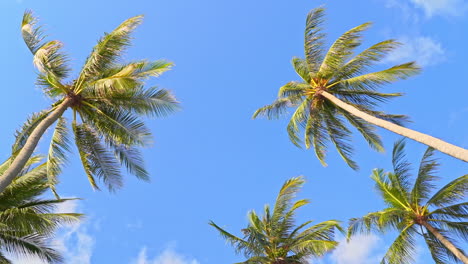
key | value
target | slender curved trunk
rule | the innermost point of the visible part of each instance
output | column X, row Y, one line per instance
column 440, row 145
column 25, row 153
column 446, row 243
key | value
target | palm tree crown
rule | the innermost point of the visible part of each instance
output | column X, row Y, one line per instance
column 274, row 238
column 107, row 99
column 335, row 88
column 413, row 210
column 27, row 221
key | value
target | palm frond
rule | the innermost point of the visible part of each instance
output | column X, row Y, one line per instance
column 132, row 159
column 59, row 147
column 366, row 130
column 451, row 192
column 314, row 38
column 239, row 244
column 302, row 69
column 367, row 58
column 454, row 211
column 29, row 245
column 298, row 119
column 48, row 57
column 339, row 135
column 116, row 125
column 440, row 254
column 400, row 178
column 25, row 131
column 402, row 249
column 423, row 185
column 371, row 81
column 392, row 195
column 284, row 199
column 316, row 135
column 152, row 102
column 341, row 50
column 98, row 160
column 122, row 78
column 292, row 89
column 107, row 51
column 274, row 110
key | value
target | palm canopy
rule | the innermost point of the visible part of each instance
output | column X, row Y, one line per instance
column 275, row 239
column 338, row 73
column 27, row 221
column 412, row 210
column 108, row 99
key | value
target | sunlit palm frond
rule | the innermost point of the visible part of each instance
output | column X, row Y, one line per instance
column 126, row 77
column 367, row 58
column 302, row 69
column 151, row 102
column 372, row 81
column 341, row 50
column 298, row 120
column 274, row 236
column 106, row 52
column 454, row 191
column 385, row 185
column 48, row 56
column 403, row 248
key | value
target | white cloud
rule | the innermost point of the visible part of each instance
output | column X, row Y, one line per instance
column 442, row 7
column 424, row 50
column 361, row 249
column 168, row 256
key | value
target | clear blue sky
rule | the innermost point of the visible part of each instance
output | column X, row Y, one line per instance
column 211, row 161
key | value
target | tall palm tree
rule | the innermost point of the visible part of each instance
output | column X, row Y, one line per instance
column 107, row 99
column 412, row 210
column 27, row 221
column 335, row 87
column 274, row 238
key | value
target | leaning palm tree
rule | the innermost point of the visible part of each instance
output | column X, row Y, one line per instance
column 107, row 99
column 27, row 221
column 336, row 88
column 274, row 238
column 412, row 210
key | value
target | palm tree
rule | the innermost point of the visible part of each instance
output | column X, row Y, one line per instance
column 412, row 210
column 274, row 238
column 107, row 99
column 335, row 88
column 27, row 221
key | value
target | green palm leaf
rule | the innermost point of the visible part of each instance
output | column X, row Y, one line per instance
column 273, row 238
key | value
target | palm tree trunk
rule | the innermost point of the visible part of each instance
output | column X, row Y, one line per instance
column 446, row 243
column 25, row 153
column 442, row 146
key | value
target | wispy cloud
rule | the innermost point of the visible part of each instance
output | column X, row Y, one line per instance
column 168, row 256
column 442, row 7
column 424, row 50
column 361, row 249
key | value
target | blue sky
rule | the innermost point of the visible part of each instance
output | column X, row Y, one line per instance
column 211, row 161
